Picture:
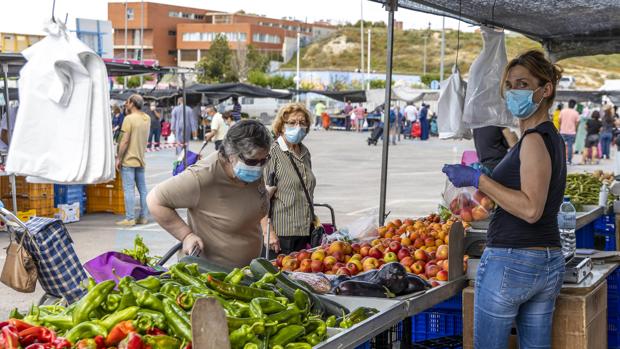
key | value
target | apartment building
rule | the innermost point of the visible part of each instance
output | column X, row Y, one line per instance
column 14, row 42
column 179, row 36
column 160, row 29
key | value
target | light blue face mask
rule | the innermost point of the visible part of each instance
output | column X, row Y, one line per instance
column 521, row 104
column 247, row 173
column 294, row 134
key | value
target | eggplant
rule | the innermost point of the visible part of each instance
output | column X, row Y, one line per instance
column 415, row 284
column 367, row 276
column 393, row 276
column 362, row 289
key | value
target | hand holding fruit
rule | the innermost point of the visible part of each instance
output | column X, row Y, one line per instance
column 462, row 176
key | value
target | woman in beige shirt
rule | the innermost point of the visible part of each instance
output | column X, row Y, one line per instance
column 225, row 198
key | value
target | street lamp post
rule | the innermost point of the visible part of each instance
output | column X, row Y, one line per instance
column 443, row 47
column 362, row 41
column 297, row 77
column 368, row 62
column 425, row 40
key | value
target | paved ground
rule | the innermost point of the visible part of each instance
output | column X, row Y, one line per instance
column 348, row 176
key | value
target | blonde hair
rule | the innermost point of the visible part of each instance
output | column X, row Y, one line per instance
column 283, row 114
column 540, row 67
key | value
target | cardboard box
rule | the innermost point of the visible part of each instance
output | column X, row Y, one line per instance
column 68, row 213
column 579, row 321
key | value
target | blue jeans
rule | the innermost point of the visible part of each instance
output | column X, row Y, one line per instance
column 570, row 141
column 516, row 285
column 605, row 144
column 154, row 136
column 134, row 176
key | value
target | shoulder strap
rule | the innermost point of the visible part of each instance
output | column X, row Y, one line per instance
column 303, row 185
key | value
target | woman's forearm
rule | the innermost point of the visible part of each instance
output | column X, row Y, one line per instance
column 168, row 218
column 513, row 201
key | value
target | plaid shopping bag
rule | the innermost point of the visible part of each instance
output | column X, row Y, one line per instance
column 59, row 268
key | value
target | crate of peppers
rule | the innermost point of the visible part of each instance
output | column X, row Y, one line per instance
column 265, row 309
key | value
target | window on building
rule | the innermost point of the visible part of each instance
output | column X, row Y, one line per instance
column 185, row 15
column 172, row 32
column 210, row 36
column 200, row 17
column 189, row 55
column 266, row 38
column 172, row 53
column 173, row 14
column 130, row 14
column 191, row 37
column 247, row 100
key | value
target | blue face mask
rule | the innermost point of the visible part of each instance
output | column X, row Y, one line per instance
column 520, row 103
column 294, row 134
column 247, row 173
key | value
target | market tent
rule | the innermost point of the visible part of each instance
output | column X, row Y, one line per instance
column 355, row 96
column 566, row 28
column 236, row 89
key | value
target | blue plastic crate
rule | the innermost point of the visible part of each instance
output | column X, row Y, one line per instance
column 613, row 283
column 613, row 332
column 613, row 305
column 69, row 194
column 435, row 324
column 454, row 303
column 585, row 236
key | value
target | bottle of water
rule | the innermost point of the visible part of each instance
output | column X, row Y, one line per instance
column 567, row 222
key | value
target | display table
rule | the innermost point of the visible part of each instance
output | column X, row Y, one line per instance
column 590, row 214
column 580, row 317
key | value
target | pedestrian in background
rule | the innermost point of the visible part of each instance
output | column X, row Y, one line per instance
column 424, row 125
column 347, row 110
column 319, row 109
column 155, row 133
column 606, row 131
column 178, row 126
column 117, row 121
column 411, row 113
column 593, row 129
column 360, row 117
column 580, row 137
column 218, row 127
column 569, row 120
column 130, row 159
column 236, row 109
column 556, row 116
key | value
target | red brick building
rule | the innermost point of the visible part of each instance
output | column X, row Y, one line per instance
column 179, row 36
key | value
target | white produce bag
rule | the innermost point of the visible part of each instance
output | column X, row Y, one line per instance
column 450, row 108
column 483, row 103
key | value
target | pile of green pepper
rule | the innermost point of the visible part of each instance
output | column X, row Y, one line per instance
column 583, row 189
column 156, row 310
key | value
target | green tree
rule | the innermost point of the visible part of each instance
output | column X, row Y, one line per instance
column 377, row 83
column 217, row 65
column 280, row 81
column 428, row 78
column 258, row 78
column 255, row 60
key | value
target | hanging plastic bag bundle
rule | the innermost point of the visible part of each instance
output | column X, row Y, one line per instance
column 483, row 103
column 450, row 108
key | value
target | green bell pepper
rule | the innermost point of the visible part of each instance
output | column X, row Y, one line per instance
column 112, row 301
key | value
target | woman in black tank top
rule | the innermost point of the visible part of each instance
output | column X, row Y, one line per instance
column 522, row 269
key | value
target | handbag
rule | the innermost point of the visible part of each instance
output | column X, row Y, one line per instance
column 19, row 271
column 316, row 230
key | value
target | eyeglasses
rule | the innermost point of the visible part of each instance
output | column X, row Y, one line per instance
column 297, row 123
column 255, row 162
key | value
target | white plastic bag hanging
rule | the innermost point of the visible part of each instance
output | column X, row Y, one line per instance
column 450, row 108
column 483, row 103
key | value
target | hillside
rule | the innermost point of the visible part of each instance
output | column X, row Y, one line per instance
column 341, row 51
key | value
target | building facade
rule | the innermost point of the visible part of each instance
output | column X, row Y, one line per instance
column 160, row 29
column 180, row 36
column 14, row 43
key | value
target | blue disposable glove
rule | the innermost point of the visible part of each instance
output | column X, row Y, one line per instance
column 462, row 176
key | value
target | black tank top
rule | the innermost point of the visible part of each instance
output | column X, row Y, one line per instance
column 508, row 231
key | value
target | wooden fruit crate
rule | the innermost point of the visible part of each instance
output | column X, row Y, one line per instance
column 25, row 189
column 43, row 205
column 105, row 200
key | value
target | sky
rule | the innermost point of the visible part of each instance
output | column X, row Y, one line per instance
column 30, row 16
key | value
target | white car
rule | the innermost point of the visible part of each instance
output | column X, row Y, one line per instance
column 567, row 82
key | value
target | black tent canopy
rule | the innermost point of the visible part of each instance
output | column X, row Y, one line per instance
column 227, row 90
column 566, row 28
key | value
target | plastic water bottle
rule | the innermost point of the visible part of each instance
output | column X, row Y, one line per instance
column 602, row 196
column 567, row 222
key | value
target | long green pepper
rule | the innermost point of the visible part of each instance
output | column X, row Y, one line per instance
column 91, row 301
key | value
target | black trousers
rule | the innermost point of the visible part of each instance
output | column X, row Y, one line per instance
column 289, row 244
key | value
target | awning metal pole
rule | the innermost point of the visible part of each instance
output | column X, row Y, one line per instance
column 184, row 123
column 5, row 76
column 391, row 6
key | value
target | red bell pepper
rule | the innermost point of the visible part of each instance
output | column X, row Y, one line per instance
column 154, row 331
column 188, row 346
column 62, row 343
column 119, row 332
column 100, row 342
column 133, row 341
column 10, row 337
column 41, row 346
column 3, row 323
column 19, row 324
column 86, row 343
column 36, row 334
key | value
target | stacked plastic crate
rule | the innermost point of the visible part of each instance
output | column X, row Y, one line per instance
column 613, row 309
column 443, row 320
column 70, row 194
column 106, row 197
column 30, row 197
